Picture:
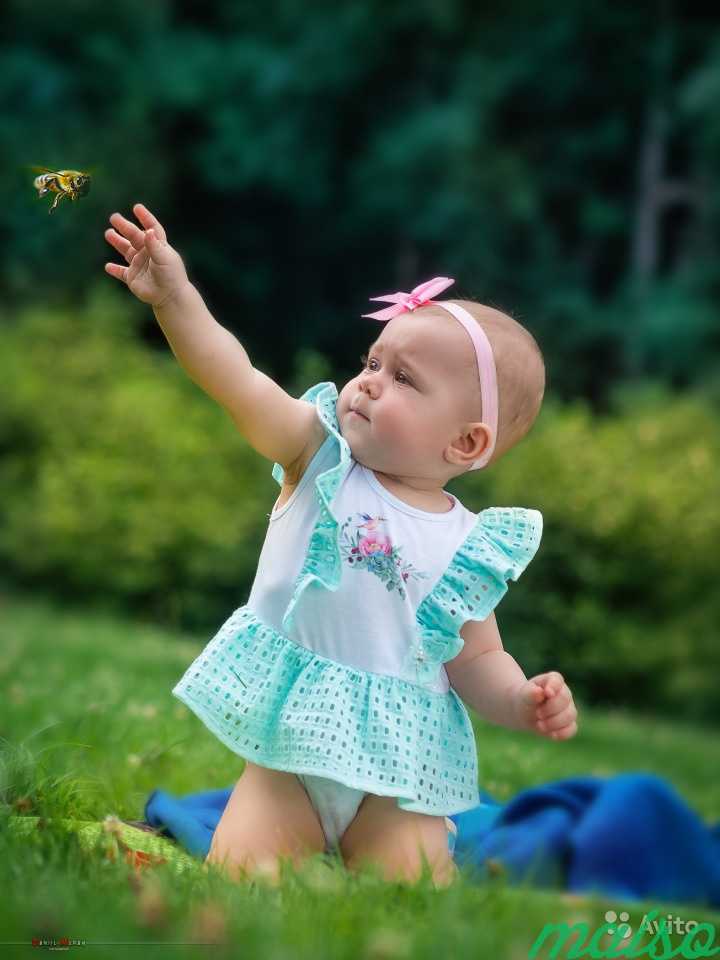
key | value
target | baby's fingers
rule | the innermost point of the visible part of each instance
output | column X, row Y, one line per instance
column 149, row 221
column 122, row 245
column 565, row 732
column 559, row 721
column 159, row 252
column 128, row 230
column 115, row 270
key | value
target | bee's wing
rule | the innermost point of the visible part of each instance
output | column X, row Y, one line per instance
column 90, row 171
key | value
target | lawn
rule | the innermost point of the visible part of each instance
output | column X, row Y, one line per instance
column 89, row 728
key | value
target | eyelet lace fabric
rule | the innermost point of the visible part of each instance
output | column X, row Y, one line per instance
column 283, row 706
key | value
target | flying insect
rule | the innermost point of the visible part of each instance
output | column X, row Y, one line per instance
column 70, row 184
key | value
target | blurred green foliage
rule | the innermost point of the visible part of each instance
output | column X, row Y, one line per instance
column 121, row 480
column 123, row 484
column 307, row 158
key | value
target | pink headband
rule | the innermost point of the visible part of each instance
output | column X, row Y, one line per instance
column 419, row 297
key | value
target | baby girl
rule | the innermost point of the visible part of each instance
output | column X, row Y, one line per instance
column 343, row 682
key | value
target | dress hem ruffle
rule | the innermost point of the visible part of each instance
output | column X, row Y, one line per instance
column 271, row 699
column 263, row 761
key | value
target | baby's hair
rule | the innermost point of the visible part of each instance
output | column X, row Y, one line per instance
column 520, row 372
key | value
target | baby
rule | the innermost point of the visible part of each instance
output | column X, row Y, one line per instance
column 343, row 681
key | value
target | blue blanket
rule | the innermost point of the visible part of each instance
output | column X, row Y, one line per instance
column 631, row 836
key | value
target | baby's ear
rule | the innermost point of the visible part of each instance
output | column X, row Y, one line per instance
column 469, row 444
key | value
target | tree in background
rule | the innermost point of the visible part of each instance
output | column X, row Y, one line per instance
column 558, row 164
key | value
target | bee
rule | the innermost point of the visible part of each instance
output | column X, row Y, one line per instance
column 64, row 183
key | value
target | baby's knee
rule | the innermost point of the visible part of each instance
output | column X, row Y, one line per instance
column 227, row 862
column 406, row 859
column 423, row 860
column 405, row 869
column 245, row 869
column 446, row 875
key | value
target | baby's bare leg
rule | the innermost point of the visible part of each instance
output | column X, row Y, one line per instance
column 268, row 816
column 396, row 840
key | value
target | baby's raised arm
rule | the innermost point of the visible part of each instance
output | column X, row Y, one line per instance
column 275, row 424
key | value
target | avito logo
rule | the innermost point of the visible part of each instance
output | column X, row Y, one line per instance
column 697, row 942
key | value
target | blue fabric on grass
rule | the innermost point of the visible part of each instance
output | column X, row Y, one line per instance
column 191, row 820
column 630, row 836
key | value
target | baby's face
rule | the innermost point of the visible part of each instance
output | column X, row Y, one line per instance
column 414, row 391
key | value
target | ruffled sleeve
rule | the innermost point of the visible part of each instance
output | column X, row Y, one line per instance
column 498, row 548
column 323, row 396
column 322, row 564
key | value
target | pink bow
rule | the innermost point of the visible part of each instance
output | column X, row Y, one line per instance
column 421, row 295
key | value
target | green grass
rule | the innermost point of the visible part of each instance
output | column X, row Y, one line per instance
column 90, row 728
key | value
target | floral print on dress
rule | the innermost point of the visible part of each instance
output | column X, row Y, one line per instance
column 366, row 547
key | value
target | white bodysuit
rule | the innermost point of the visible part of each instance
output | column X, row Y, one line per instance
column 339, row 652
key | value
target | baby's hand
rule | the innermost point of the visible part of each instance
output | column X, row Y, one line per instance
column 545, row 704
column 156, row 272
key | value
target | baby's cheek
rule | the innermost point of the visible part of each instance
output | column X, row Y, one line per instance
column 343, row 401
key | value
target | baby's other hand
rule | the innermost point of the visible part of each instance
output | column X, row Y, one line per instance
column 545, row 704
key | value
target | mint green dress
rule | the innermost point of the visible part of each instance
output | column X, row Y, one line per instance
column 280, row 682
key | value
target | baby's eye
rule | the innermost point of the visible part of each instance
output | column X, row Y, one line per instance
column 366, row 363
